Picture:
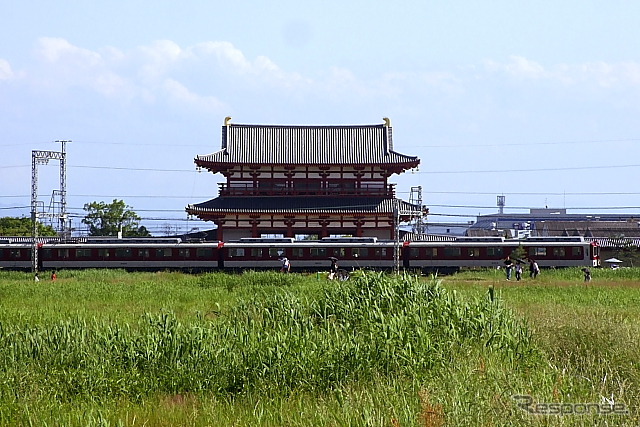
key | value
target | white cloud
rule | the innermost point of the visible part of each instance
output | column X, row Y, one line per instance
column 177, row 92
column 6, row 73
column 158, row 58
column 397, row 82
column 233, row 61
column 72, row 66
column 518, row 67
column 226, row 53
column 57, row 50
column 599, row 74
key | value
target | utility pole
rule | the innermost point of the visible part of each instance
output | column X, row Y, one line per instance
column 396, row 240
column 41, row 157
column 416, row 212
column 63, row 188
column 415, row 199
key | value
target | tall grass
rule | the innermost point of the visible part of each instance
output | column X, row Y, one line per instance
column 280, row 343
column 280, row 349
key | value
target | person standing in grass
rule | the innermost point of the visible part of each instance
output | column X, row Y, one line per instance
column 518, row 271
column 286, row 265
column 333, row 270
column 534, row 269
column 587, row 274
column 508, row 266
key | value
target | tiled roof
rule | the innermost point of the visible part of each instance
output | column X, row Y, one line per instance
column 325, row 145
column 608, row 243
column 328, row 205
column 588, row 228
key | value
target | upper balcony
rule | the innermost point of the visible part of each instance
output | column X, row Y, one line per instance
column 241, row 189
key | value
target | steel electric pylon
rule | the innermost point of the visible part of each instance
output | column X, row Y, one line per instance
column 42, row 157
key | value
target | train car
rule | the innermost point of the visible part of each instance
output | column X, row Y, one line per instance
column 490, row 252
column 15, row 255
column 131, row 254
column 309, row 255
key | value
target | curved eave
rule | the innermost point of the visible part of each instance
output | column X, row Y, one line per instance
column 197, row 212
column 294, row 206
column 216, row 166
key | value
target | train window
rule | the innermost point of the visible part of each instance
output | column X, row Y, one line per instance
column 337, row 252
column 256, row 252
column 558, row 252
column 493, row 251
column 538, row 251
column 452, row 251
column 236, row 252
column 318, row 252
column 360, row 252
column 473, row 252
column 204, row 252
column 432, row 252
column 46, row 254
column 296, row 253
column 576, row 251
column 14, row 253
column 414, row 253
column 123, row 253
column 276, row 252
column 103, row 253
column 184, row 253
column 63, row 253
column 163, row 253
column 381, row 252
column 83, row 253
column 143, row 253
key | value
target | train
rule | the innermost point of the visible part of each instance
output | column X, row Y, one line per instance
column 304, row 255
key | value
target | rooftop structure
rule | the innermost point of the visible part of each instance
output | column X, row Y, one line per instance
column 304, row 180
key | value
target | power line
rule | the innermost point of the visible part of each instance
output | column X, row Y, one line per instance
column 128, row 144
column 468, row 193
column 418, row 172
column 15, row 166
column 346, row 206
column 495, row 144
column 529, row 207
column 482, row 193
column 15, row 207
column 526, row 144
column 527, row 170
column 133, row 169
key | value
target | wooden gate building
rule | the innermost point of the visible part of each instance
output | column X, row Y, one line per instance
column 304, row 180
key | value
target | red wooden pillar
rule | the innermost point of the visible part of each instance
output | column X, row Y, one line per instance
column 324, row 231
column 358, row 223
column 289, row 223
column 220, row 231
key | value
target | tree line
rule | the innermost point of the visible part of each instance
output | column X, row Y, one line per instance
column 103, row 219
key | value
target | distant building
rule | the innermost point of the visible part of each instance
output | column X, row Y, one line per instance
column 304, row 180
column 607, row 229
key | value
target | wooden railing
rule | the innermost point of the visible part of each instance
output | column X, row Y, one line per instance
column 364, row 190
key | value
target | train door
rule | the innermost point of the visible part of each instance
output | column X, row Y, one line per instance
column 221, row 255
column 406, row 255
column 594, row 250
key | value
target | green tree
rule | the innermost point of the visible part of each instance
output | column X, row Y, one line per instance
column 14, row 226
column 106, row 219
column 519, row 253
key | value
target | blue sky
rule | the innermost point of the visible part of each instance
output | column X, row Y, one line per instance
column 538, row 101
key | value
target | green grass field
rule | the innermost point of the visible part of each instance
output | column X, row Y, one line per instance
column 161, row 349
